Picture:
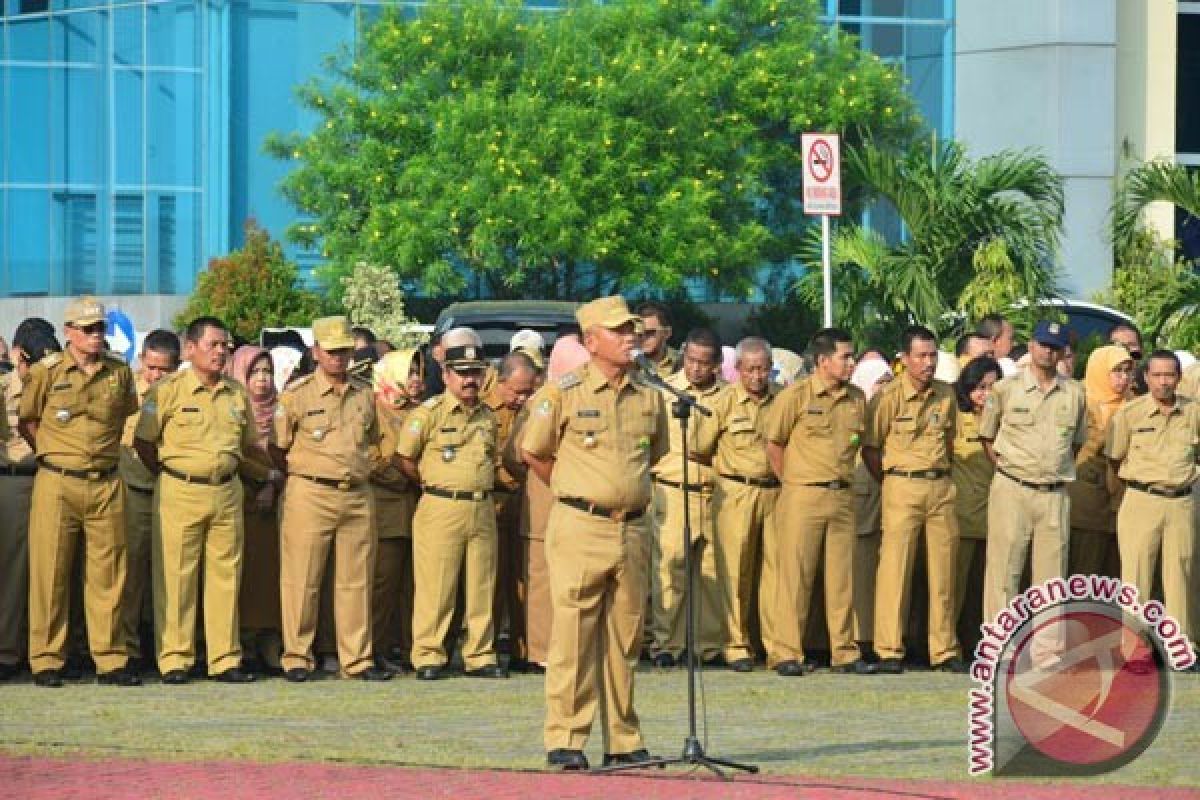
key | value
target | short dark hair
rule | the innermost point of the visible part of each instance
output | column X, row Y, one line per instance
column 162, row 341
column 991, row 326
column 515, row 362
column 34, row 329
column 197, row 327
column 915, row 333
column 365, row 332
column 971, row 376
column 1166, row 355
column 825, row 341
column 704, row 337
column 1125, row 326
column 656, row 310
column 960, row 347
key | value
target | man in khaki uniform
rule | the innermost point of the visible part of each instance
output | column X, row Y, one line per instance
column 655, row 334
column 1154, row 441
column 907, row 446
column 448, row 446
column 813, row 435
column 324, row 429
column 72, row 413
column 1189, row 385
column 701, row 362
column 159, row 357
column 593, row 435
column 193, row 431
column 1032, row 426
column 744, row 502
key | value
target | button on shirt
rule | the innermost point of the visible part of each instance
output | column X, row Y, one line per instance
column 1154, row 446
column 604, row 438
column 1035, row 432
column 740, row 420
column 200, row 431
column 702, row 434
column 914, row 429
column 821, row 429
column 454, row 445
column 80, row 417
column 328, row 432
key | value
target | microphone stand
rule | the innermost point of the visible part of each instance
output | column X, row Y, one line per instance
column 693, row 754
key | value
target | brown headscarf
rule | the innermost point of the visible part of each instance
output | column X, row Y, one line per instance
column 264, row 408
column 1096, row 383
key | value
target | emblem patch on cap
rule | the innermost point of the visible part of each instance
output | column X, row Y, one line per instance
column 1053, row 328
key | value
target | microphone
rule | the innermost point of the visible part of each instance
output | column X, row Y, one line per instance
column 644, row 363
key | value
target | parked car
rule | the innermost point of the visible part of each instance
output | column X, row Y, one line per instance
column 497, row 320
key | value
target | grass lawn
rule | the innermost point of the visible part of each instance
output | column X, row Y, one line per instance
column 910, row 726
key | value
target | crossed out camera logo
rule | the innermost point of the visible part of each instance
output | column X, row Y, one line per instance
column 1073, row 678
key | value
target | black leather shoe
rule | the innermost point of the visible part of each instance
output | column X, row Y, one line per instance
column 8, row 671
column 856, row 667
column 636, row 757
column 430, row 673
column 118, row 677
column 72, row 670
column 954, row 665
column 48, row 678
column 372, row 674
column 664, row 661
column 567, row 760
column 790, row 669
column 889, row 666
column 234, row 675
column 176, row 677
column 490, row 671
column 742, row 665
column 296, row 675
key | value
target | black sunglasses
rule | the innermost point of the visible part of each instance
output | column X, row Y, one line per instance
column 94, row 328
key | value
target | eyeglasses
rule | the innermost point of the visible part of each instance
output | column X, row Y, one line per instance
column 91, row 330
column 651, row 331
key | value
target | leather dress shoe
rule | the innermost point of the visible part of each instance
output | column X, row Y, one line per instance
column 664, row 661
column 567, row 760
column 790, row 669
column 953, row 665
column 72, row 670
column 176, row 677
column 8, row 671
column 742, row 665
column 521, row 666
column 48, row 678
column 234, row 675
column 490, row 671
column 890, row 666
column 296, row 675
column 430, row 673
column 118, row 677
column 372, row 673
column 640, row 756
column 856, row 667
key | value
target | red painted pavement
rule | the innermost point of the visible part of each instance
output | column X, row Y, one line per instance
column 31, row 778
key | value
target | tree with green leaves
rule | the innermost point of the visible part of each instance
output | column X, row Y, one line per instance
column 372, row 297
column 600, row 148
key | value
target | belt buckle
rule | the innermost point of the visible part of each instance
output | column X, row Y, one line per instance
column 93, row 475
column 833, row 485
column 477, row 495
column 344, row 486
column 617, row 514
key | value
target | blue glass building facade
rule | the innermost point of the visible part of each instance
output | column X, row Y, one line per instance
column 131, row 131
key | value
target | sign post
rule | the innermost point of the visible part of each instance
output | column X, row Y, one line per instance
column 122, row 339
column 823, row 196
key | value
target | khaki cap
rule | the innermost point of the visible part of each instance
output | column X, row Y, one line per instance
column 607, row 312
column 333, row 333
column 467, row 355
column 85, row 310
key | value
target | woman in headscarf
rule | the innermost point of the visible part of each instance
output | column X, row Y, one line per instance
column 1095, row 493
column 398, row 379
column 870, row 375
column 258, row 600
column 972, row 471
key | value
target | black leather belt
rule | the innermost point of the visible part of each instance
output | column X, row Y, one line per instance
column 1158, row 490
column 691, row 487
column 332, row 483
column 452, row 494
column 15, row 470
column 1038, row 487
column 81, row 474
column 138, row 489
column 203, row 480
column 923, row 474
column 838, row 484
column 761, row 483
column 615, row 514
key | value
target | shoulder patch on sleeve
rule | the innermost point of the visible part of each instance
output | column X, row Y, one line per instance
column 51, row 360
column 113, row 357
column 296, row 384
column 569, row 380
column 432, row 402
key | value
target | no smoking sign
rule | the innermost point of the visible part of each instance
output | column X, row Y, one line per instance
column 822, row 173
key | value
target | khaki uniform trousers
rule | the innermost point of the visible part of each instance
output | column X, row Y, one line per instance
column 63, row 511
column 139, row 545
column 508, row 614
column 16, row 492
column 315, row 520
column 1147, row 525
column 1018, row 518
column 1094, row 553
column 536, row 600
column 866, row 565
column 911, row 505
column 669, row 579
column 745, row 516
column 197, row 527
column 258, row 598
column 453, row 540
column 812, row 522
column 599, row 574
column 392, row 589
column 968, row 595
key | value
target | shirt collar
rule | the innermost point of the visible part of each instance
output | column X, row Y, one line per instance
column 594, row 379
column 191, row 382
column 1029, row 381
column 910, row 391
column 742, row 396
column 822, row 387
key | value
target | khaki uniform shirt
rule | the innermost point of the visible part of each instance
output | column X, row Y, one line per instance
column 740, row 420
column 80, row 417
column 603, row 438
column 130, row 467
column 15, row 450
column 1093, row 492
column 1156, row 447
column 972, row 473
column 328, row 433
column 395, row 494
column 454, row 446
column 200, row 431
column 505, row 417
column 702, row 435
column 915, row 430
column 1034, row 433
column 669, row 364
column 820, row 428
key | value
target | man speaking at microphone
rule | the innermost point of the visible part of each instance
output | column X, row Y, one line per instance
column 593, row 435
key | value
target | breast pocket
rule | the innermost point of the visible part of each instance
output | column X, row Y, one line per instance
column 817, row 425
column 905, row 429
column 316, row 427
column 592, row 432
column 743, row 434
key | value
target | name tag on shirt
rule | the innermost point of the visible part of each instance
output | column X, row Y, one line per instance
column 588, row 412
